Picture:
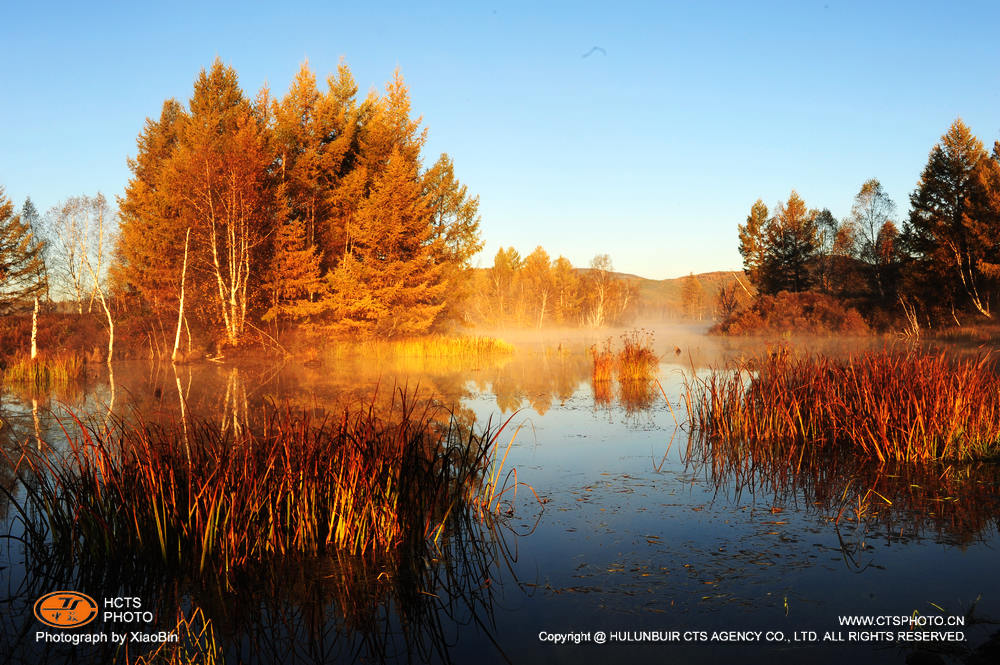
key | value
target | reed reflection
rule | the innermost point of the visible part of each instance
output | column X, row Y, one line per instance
column 955, row 504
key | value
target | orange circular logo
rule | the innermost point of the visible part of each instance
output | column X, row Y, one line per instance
column 65, row 609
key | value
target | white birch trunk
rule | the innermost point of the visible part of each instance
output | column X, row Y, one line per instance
column 180, row 309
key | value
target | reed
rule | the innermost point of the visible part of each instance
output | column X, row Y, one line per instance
column 195, row 645
column 604, row 363
column 637, row 361
column 433, row 346
column 884, row 406
column 45, row 371
column 196, row 496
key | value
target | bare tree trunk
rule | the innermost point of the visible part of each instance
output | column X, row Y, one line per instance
column 541, row 310
column 34, row 331
column 38, row 426
column 107, row 312
column 180, row 397
column 180, row 309
column 111, row 387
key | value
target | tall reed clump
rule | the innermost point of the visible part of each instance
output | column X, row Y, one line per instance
column 637, row 361
column 197, row 496
column 884, row 406
column 45, row 371
column 604, row 363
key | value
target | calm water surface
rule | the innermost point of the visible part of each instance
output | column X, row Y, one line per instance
column 634, row 534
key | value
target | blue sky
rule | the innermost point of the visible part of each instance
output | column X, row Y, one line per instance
column 652, row 152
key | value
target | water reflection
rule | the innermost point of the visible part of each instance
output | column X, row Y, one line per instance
column 416, row 603
column 413, row 607
column 954, row 504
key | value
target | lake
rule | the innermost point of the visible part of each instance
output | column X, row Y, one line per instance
column 624, row 540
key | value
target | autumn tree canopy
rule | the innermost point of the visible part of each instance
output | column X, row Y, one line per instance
column 313, row 207
column 952, row 232
column 779, row 251
column 944, row 261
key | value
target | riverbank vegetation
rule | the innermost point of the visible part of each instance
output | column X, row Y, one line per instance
column 196, row 496
column 799, row 313
column 885, row 406
column 43, row 372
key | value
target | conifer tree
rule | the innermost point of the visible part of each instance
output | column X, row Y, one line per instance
column 455, row 219
column 293, row 277
column 752, row 241
column 21, row 265
column 150, row 236
column 791, row 241
column 390, row 282
column 31, row 217
column 953, row 227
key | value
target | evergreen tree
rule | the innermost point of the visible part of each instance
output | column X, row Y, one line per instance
column 21, row 264
column 752, row 241
column 390, row 283
column 791, row 242
column 293, row 277
column 31, row 217
column 150, row 233
column 952, row 230
column 455, row 219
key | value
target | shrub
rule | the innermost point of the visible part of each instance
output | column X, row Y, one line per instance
column 805, row 313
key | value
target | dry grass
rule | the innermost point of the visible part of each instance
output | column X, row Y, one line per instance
column 434, row 346
column 45, row 371
column 637, row 361
column 884, row 406
column 198, row 497
column 604, row 363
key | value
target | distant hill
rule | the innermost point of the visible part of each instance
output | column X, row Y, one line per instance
column 662, row 297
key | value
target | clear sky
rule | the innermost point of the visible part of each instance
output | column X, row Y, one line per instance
column 652, row 150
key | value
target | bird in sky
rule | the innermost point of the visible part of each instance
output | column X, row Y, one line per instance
column 594, row 50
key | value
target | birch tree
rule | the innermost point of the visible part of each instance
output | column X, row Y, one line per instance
column 218, row 178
